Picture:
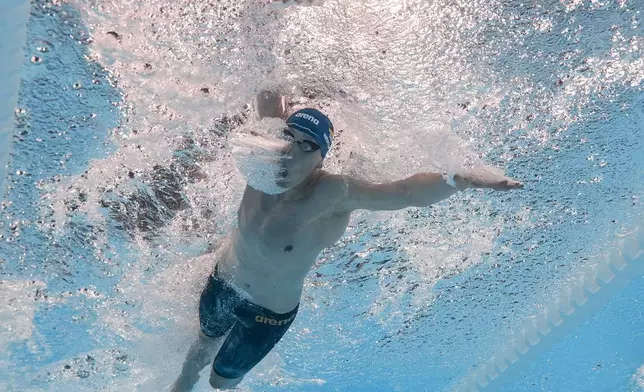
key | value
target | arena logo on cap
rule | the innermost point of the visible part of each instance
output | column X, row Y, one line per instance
column 308, row 117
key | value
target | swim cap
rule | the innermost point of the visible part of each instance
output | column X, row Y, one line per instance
column 315, row 124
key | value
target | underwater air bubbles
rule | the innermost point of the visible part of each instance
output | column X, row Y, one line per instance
column 258, row 151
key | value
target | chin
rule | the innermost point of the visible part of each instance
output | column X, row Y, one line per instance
column 276, row 190
column 275, row 187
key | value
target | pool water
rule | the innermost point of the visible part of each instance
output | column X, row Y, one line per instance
column 120, row 174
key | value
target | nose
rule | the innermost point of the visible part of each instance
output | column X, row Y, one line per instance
column 283, row 172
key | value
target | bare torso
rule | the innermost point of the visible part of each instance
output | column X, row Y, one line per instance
column 277, row 242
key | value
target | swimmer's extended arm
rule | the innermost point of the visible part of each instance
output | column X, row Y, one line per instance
column 419, row 190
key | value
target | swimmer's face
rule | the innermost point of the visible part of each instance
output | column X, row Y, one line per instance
column 301, row 159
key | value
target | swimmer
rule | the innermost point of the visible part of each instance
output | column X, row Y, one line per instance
column 252, row 296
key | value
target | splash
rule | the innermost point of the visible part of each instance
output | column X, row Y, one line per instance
column 637, row 380
column 371, row 81
column 257, row 150
column 18, row 304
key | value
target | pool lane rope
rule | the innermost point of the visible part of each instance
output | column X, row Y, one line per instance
column 562, row 314
column 13, row 35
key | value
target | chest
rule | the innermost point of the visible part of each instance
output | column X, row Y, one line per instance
column 288, row 224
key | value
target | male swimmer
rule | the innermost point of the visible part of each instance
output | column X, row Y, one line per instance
column 254, row 291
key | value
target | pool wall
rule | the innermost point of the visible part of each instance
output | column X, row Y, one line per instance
column 13, row 30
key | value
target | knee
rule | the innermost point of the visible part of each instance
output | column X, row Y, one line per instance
column 220, row 382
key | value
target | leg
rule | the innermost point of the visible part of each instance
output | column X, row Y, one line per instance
column 216, row 317
column 200, row 354
column 271, row 104
column 220, row 382
column 254, row 335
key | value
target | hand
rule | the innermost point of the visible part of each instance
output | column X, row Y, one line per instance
column 485, row 177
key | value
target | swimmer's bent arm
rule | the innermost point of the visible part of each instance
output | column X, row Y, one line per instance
column 271, row 104
column 419, row 190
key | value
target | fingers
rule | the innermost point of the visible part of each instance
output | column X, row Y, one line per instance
column 508, row 184
column 514, row 185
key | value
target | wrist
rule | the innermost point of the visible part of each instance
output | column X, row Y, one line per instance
column 449, row 180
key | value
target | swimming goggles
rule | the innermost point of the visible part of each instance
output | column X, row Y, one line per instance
column 305, row 145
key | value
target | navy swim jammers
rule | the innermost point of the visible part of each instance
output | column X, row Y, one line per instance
column 255, row 330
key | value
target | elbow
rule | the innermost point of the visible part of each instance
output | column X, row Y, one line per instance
column 434, row 197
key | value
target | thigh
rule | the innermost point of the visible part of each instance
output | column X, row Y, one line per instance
column 254, row 334
column 216, row 307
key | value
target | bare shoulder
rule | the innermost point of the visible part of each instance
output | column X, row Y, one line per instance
column 331, row 189
column 330, row 183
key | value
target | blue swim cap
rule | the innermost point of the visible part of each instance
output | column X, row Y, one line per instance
column 315, row 124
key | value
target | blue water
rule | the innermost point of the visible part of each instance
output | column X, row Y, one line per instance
column 71, row 106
